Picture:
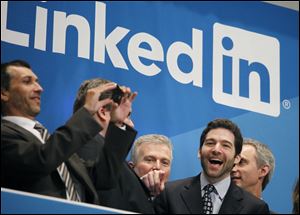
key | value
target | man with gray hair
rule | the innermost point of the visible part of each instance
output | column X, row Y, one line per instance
column 255, row 168
column 151, row 159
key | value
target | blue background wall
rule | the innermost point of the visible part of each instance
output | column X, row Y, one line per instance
column 165, row 104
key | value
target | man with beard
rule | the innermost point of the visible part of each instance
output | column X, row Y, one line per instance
column 212, row 191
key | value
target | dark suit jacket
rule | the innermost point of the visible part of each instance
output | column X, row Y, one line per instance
column 29, row 165
column 184, row 197
column 129, row 193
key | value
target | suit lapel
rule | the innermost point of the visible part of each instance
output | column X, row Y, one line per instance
column 232, row 199
column 77, row 168
column 191, row 196
column 12, row 126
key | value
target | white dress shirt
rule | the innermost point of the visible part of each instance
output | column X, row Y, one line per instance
column 25, row 123
column 218, row 195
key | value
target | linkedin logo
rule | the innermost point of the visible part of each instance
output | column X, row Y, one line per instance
column 245, row 75
column 246, row 70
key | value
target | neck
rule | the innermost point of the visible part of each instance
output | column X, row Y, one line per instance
column 15, row 112
column 255, row 190
column 212, row 180
column 103, row 131
column 21, row 115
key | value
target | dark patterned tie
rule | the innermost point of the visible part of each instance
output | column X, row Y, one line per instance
column 207, row 202
column 43, row 131
column 62, row 169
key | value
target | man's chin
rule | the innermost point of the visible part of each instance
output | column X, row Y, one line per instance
column 236, row 181
column 213, row 174
column 35, row 112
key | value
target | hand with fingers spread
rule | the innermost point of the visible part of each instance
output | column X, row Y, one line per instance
column 121, row 112
column 92, row 103
column 128, row 121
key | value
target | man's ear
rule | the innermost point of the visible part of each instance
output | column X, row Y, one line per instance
column 131, row 164
column 264, row 170
column 4, row 95
column 199, row 154
column 102, row 114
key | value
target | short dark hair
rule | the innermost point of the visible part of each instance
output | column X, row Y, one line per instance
column 229, row 125
column 84, row 87
column 6, row 76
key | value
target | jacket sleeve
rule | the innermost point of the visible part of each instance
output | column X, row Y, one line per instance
column 116, row 147
column 22, row 154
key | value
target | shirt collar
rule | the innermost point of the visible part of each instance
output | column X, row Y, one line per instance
column 21, row 121
column 25, row 123
column 220, row 186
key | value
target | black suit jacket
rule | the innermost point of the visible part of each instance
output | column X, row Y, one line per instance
column 29, row 165
column 184, row 197
column 130, row 193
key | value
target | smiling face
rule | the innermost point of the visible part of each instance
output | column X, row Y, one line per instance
column 217, row 154
column 23, row 98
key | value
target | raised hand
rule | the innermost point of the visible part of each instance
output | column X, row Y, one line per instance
column 121, row 112
column 92, row 103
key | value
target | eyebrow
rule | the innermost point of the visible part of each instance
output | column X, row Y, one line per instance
column 31, row 77
column 212, row 139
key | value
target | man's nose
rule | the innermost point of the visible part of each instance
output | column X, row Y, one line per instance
column 38, row 87
column 217, row 148
column 157, row 165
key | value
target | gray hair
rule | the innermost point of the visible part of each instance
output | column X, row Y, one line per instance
column 264, row 157
column 150, row 138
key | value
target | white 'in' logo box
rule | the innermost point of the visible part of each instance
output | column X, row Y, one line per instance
column 246, row 70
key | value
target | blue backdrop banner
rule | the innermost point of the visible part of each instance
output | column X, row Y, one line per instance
column 190, row 62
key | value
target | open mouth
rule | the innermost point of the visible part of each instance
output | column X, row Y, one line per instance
column 215, row 162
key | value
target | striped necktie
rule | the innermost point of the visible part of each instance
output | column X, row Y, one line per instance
column 43, row 131
column 62, row 169
column 66, row 177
